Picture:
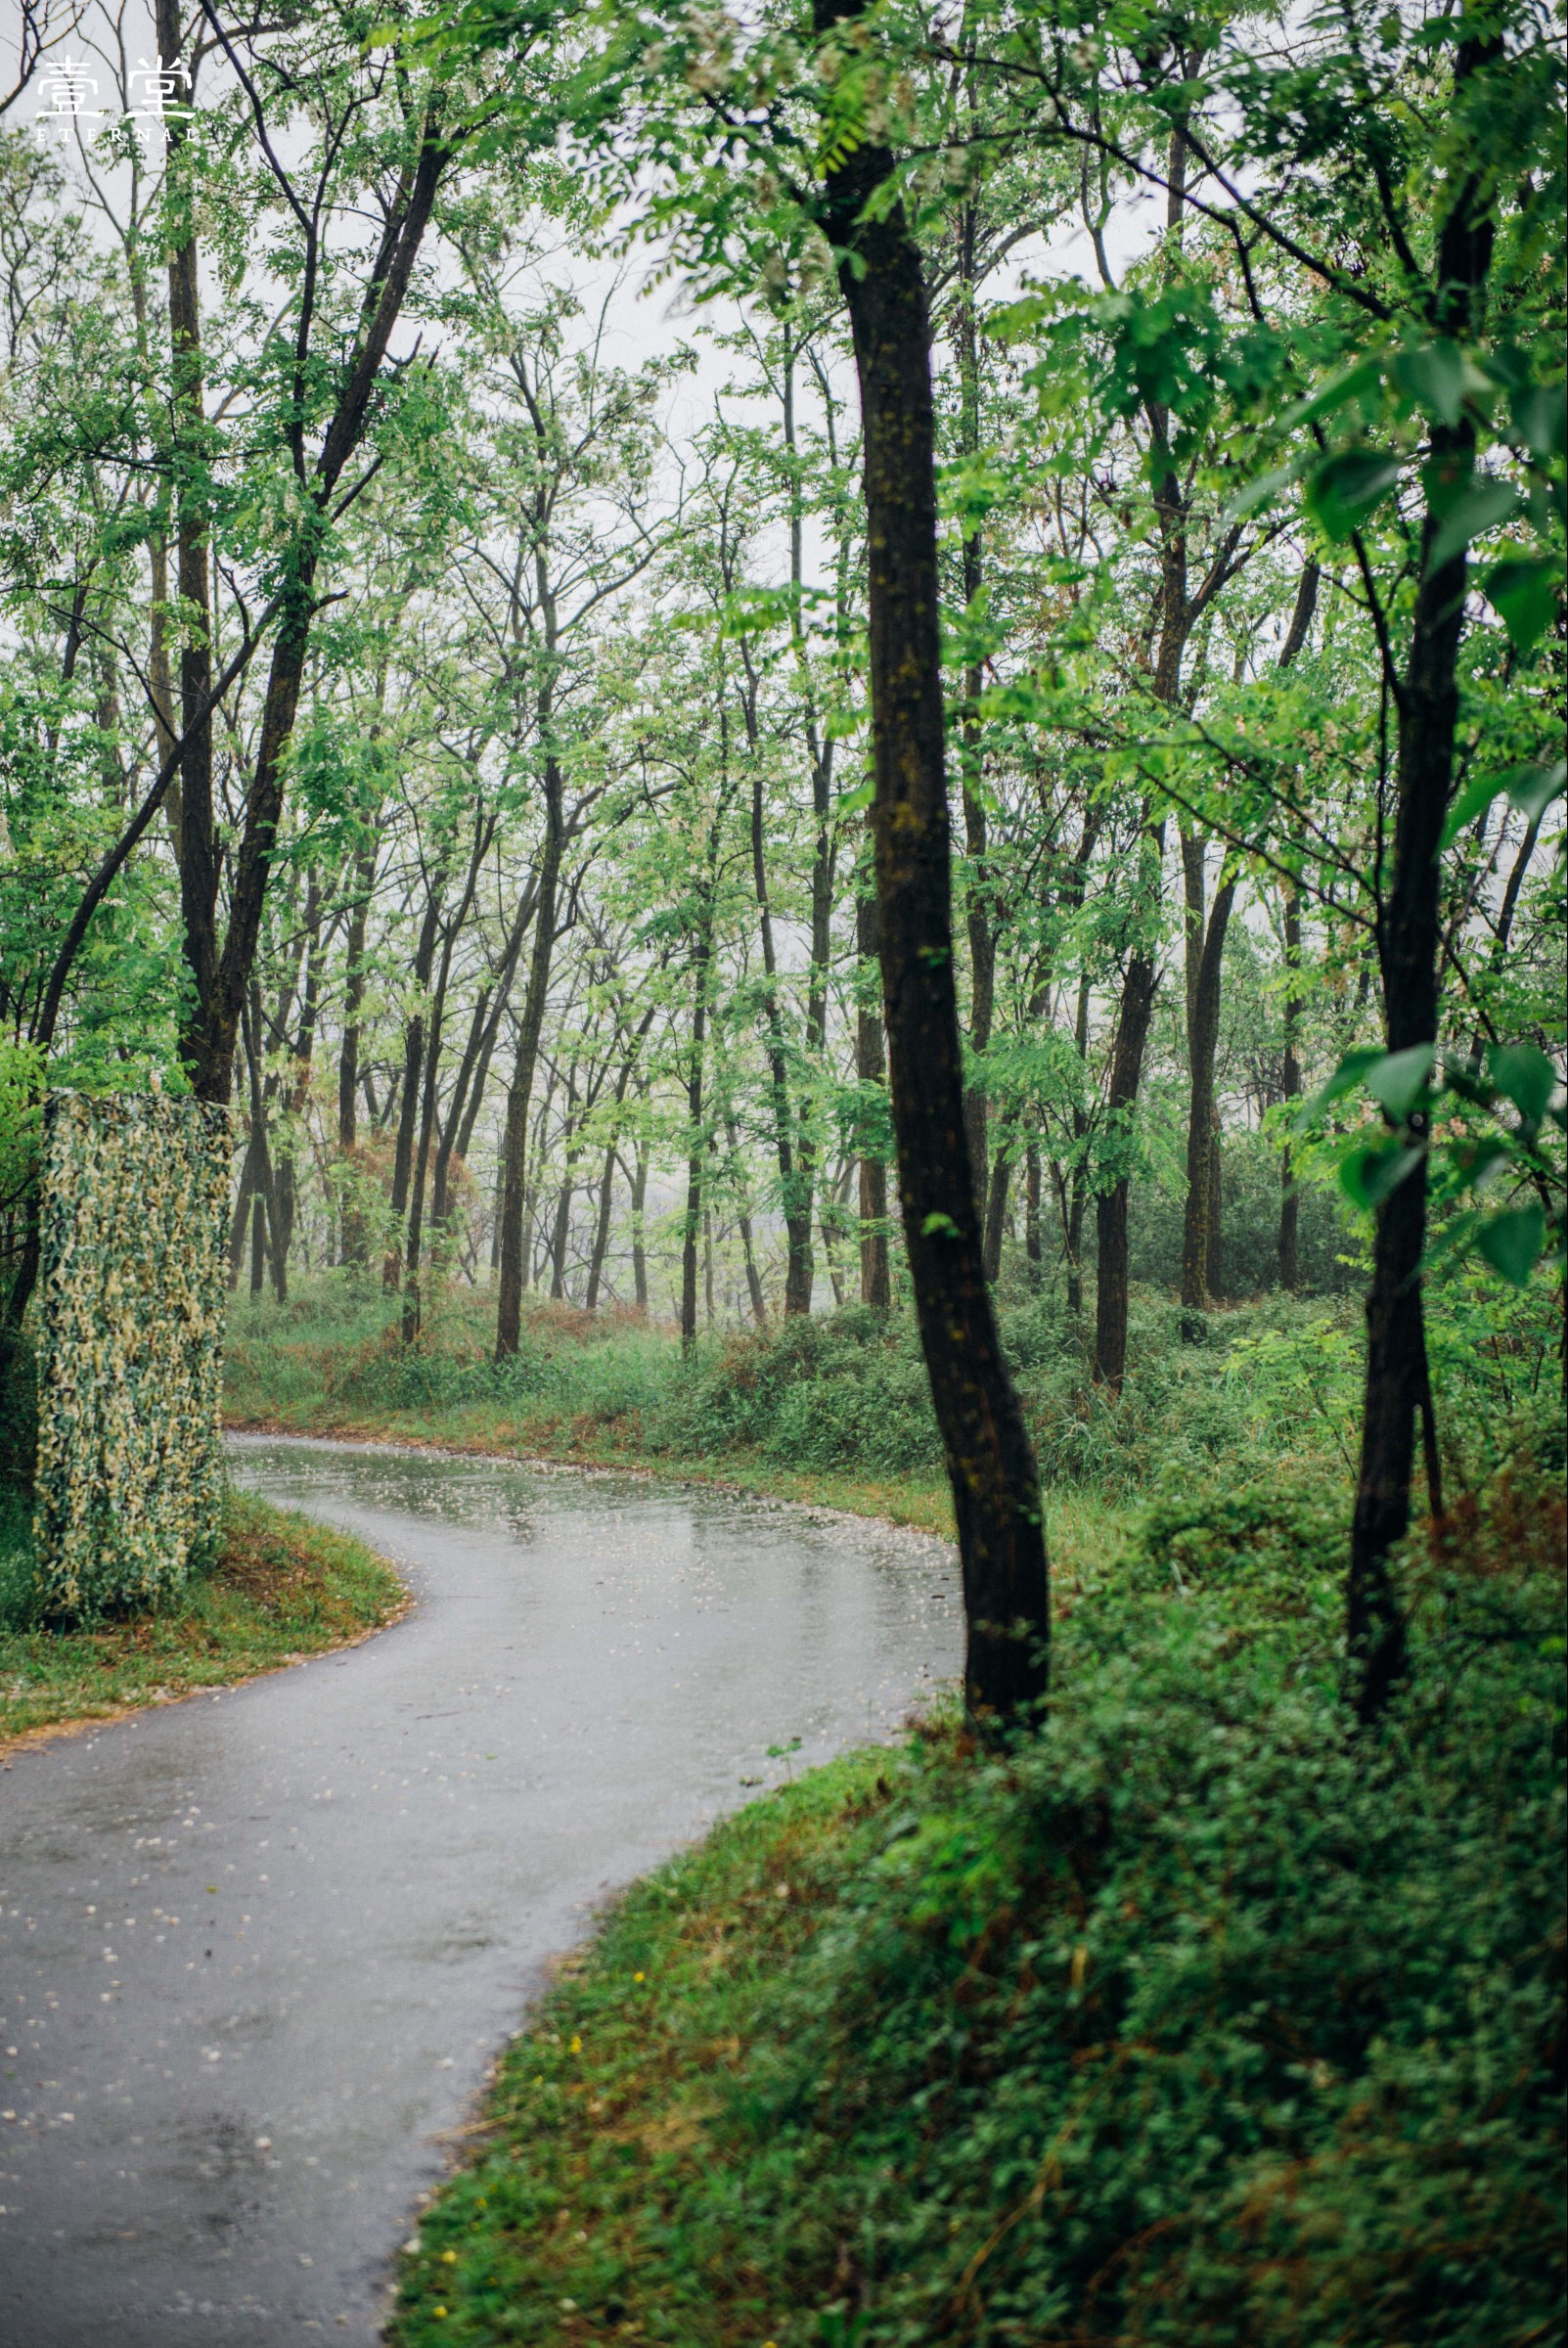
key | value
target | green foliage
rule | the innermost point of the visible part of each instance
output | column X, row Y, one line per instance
column 129, row 1477
column 1249, row 1223
column 827, row 1392
column 844, row 1391
column 19, row 1592
column 1194, row 2017
column 1483, row 1125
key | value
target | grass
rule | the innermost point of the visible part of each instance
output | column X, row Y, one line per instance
column 586, row 1392
column 834, row 1410
column 281, row 1587
column 1193, row 2018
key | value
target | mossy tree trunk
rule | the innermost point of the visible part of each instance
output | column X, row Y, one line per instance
column 990, row 1462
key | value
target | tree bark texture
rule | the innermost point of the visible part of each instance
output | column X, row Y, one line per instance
column 871, row 1068
column 508, row 1302
column 991, row 1464
column 1126, row 1068
column 1290, row 1071
column 1290, row 1087
column 1205, row 960
column 1407, row 939
column 413, row 1066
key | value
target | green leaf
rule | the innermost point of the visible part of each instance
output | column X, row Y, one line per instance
column 1531, row 788
column 1540, row 419
column 1525, row 1076
column 856, row 801
column 1435, row 377
column 1337, row 393
column 1513, row 1241
column 1524, row 595
column 1346, row 1078
column 1342, row 493
column 1261, row 493
column 1372, row 1173
column 1396, row 1080
column 1477, row 509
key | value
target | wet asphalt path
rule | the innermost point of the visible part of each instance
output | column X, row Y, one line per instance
column 259, row 1949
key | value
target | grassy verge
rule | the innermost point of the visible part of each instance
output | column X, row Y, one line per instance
column 281, row 1588
column 585, row 1391
column 1195, row 2016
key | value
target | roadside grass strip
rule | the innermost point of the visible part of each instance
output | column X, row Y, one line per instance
column 281, row 1588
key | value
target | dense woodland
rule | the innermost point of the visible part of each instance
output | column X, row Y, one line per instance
column 843, row 730
column 445, row 685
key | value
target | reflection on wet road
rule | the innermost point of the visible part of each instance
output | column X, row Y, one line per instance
column 257, row 1949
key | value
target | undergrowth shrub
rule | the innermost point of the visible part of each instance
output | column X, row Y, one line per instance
column 1197, row 2016
column 849, row 1391
column 18, row 1602
column 1275, row 1385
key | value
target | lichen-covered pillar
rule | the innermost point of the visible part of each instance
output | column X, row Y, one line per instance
column 134, row 1206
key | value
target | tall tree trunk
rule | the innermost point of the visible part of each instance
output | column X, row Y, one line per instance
column 1407, row 938
column 800, row 1185
column 759, row 1303
column 474, row 1069
column 696, row 1154
column 1290, row 1087
column 639, row 1228
column 413, row 1065
column 607, row 1197
column 239, row 1221
column 560, row 1229
column 871, row 1068
column 697, row 1145
column 1206, row 958
column 483, row 832
column 533, row 1233
column 351, row 1229
column 1033, row 1253
column 508, row 1302
column 1291, row 1073
column 996, row 1214
column 284, row 1183
column 198, row 858
column 259, row 1154
column 978, row 911
column 794, row 1180
column 995, row 1490
column 1138, row 988
column 162, row 686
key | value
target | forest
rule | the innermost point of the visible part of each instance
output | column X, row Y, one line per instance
column 841, row 730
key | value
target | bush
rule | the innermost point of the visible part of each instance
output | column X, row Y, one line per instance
column 18, row 1596
column 846, row 1390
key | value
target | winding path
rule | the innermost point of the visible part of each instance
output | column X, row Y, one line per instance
column 257, row 1950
